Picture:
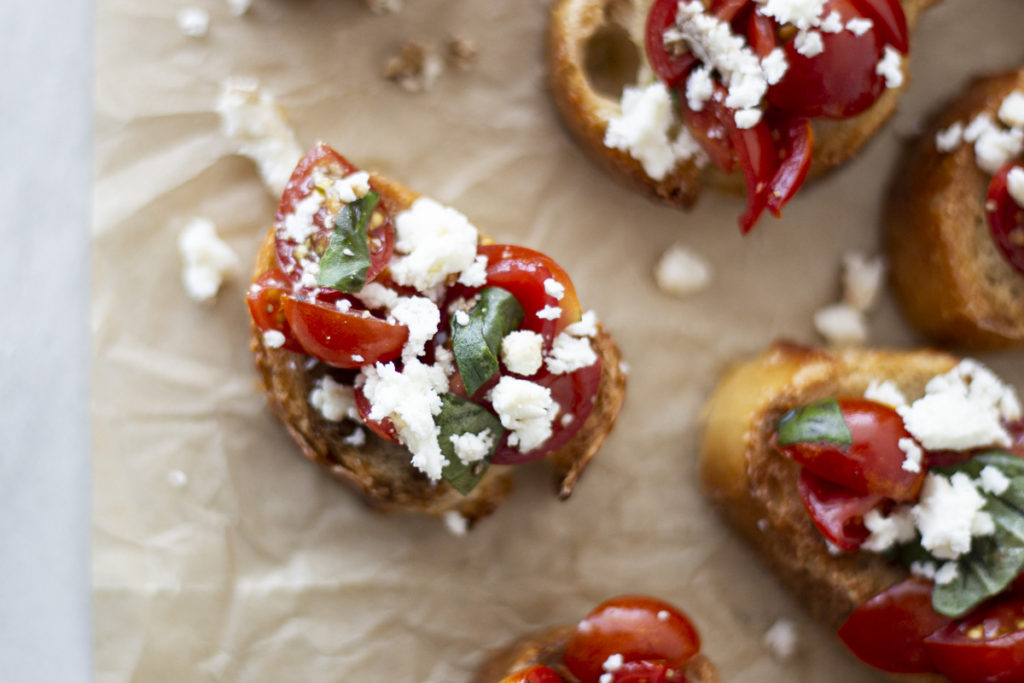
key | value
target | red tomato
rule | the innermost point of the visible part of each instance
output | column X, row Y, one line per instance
column 385, row 428
column 630, row 626
column 796, row 142
column 672, row 70
column 1016, row 430
column 647, row 671
column 890, row 22
column 344, row 340
column 873, row 462
column 264, row 300
column 1006, row 218
column 535, row 674
column 838, row 512
column 839, row 82
column 761, row 34
column 711, row 132
column 726, row 10
column 889, row 630
column 759, row 160
column 986, row 646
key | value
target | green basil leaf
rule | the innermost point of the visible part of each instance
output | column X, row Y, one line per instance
column 347, row 258
column 814, row 422
column 1007, row 463
column 459, row 416
column 477, row 343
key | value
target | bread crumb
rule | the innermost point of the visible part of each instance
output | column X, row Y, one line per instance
column 384, row 6
column 681, row 272
column 239, row 7
column 841, row 325
column 781, row 639
column 462, row 53
column 948, row 139
column 194, row 22
column 455, row 523
column 416, row 68
column 862, row 279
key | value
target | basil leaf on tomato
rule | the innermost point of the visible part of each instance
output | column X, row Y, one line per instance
column 476, row 343
column 459, row 416
column 347, row 258
column 815, row 422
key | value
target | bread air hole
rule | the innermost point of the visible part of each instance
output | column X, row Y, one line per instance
column 611, row 60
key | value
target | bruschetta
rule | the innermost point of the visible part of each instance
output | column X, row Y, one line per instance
column 884, row 489
column 414, row 359
column 955, row 220
column 727, row 93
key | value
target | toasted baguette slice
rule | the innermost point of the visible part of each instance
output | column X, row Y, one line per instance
column 755, row 488
column 546, row 648
column 380, row 470
column 947, row 274
column 613, row 31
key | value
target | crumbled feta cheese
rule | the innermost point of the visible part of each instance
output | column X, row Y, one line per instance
column 800, row 13
column 995, row 147
column 444, row 359
column 239, row 7
column 841, row 324
column 177, row 479
column 522, row 352
column 422, row 317
column 586, row 327
column 434, row 241
column 862, row 278
column 298, row 225
column 948, row 139
column 833, row 23
column 859, row 26
column 885, row 392
column 273, row 339
column 981, row 124
column 947, row 573
column 781, row 639
column 411, row 399
column 456, row 524
column 886, row 532
column 993, row 481
column 526, row 409
column 549, row 313
column 476, row 274
column 809, row 43
column 699, row 88
column 194, row 22
column 553, row 287
column 343, row 305
column 606, row 678
column 357, row 439
column 613, row 663
column 925, row 570
column 206, row 259
column 949, row 513
column 334, row 401
column 642, row 130
column 915, row 456
column 256, row 125
column 376, row 296
column 681, row 271
column 1011, row 111
column 470, row 448
column 348, row 189
column 775, row 65
column 461, row 317
column 748, row 118
column 1015, row 184
column 890, row 67
column 569, row 354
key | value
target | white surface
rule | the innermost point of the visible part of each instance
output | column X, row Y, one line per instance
column 46, row 50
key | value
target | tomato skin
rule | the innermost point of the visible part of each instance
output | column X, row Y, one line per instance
column 385, row 428
column 838, row 512
column 758, row 159
column 629, row 625
column 889, row 630
column 671, row 70
column 343, row 340
column 647, row 671
column 1006, row 218
column 890, row 21
column 534, row 674
column 986, row 646
column 796, row 150
column 264, row 301
column 873, row 462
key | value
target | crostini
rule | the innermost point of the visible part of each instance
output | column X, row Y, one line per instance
column 885, row 488
column 626, row 638
column 761, row 93
column 955, row 220
column 414, row 359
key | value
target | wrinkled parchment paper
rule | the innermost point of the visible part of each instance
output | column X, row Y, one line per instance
column 254, row 566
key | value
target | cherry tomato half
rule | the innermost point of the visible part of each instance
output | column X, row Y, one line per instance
column 889, row 630
column 986, row 646
column 264, row 300
column 837, row 511
column 647, row 671
column 873, row 462
column 1006, row 218
column 889, row 19
column 342, row 339
column 796, row 147
column 639, row 628
column 670, row 69
column 385, row 428
column 534, row 674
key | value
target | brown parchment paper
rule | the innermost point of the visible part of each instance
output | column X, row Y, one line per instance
column 259, row 568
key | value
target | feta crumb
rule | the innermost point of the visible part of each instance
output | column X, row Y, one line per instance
column 416, row 68
column 833, row 23
column 298, row 225
column 681, row 271
column 890, row 67
column 950, row 138
column 444, row 359
column 586, row 327
column 775, row 65
column 357, row 439
column 947, row 573
column 273, row 339
column 334, row 400
column 915, row 456
column 993, row 481
column 862, row 278
column 800, row 13
column 832, row 548
column 376, row 296
column 456, row 524
column 748, row 118
column 923, row 569
column 841, row 324
column 177, row 479
column 433, row 241
column 239, row 7
column 886, row 532
column 522, row 352
column 549, row 313
column 461, row 317
column 206, row 259
column 1011, row 111
column 781, row 639
column 859, row 26
column 605, row 678
column 979, row 125
column 1015, row 184
column 613, row 663
column 809, row 43
column 569, row 354
column 343, row 305
column 996, row 147
column 422, row 317
column 348, row 189
column 194, row 22
column 526, row 409
column 476, row 274
column 642, row 130
column 949, row 513
column 699, row 87
column 470, row 448
column 553, row 287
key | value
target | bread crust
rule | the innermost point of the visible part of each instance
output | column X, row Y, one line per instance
column 586, row 112
column 547, row 648
column 381, row 471
column 946, row 272
column 755, row 488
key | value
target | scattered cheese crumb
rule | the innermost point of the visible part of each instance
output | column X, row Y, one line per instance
column 841, row 324
column 461, row 317
column 886, row 532
column 978, row 125
column 273, row 338
column 177, row 479
column 376, row 296
column 642, row 130
column 521, row 351
column 239, row 7
column 432, row 241
column 996, row 147
column 526, row 409
column 334, row 401
column 862, row 279
column 194, row 22
column 775, row 64
column 950, row 138
column 586, row 327
column 993, row 481
column 802, row 14
column 748, row 118
column 206, row 259
column 781, row 639
column 915, row 456
column 476, row 274
column 925, row 570
column 890, row 67
column 569, row 354
column 859, row 26
column 422, row 317
column 356, row 439
column 455, row 522
column 681, row 271
column 1011, row 111
column 549, row 313
column 470, row 448
column 949, row 513
column 700, row 86
column 553, row 287
column 947, row 573
column 809, row 43
column 416, row 68
column 833, row 23
column 1015, row 184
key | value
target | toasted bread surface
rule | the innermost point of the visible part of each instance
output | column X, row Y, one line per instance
column 381, row 471
column 946, row 272
column 586, row 110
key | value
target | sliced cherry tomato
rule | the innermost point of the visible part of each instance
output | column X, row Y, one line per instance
column 726, row 10
column 758, row 159
column 889, row 630
column 839, row 82
column 671, row 69
column 1016, row 430
column 873, row 462
column 385, row 428
column 639, row 628
column 711, row 132
column 647, row 671
column 264, row 300
column 796, row 149
column 889, row 19
column 837, row 511
column 986, row 646
column 535, row 674
column 342, row 339
column 1006, row 218
column 761, row 34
